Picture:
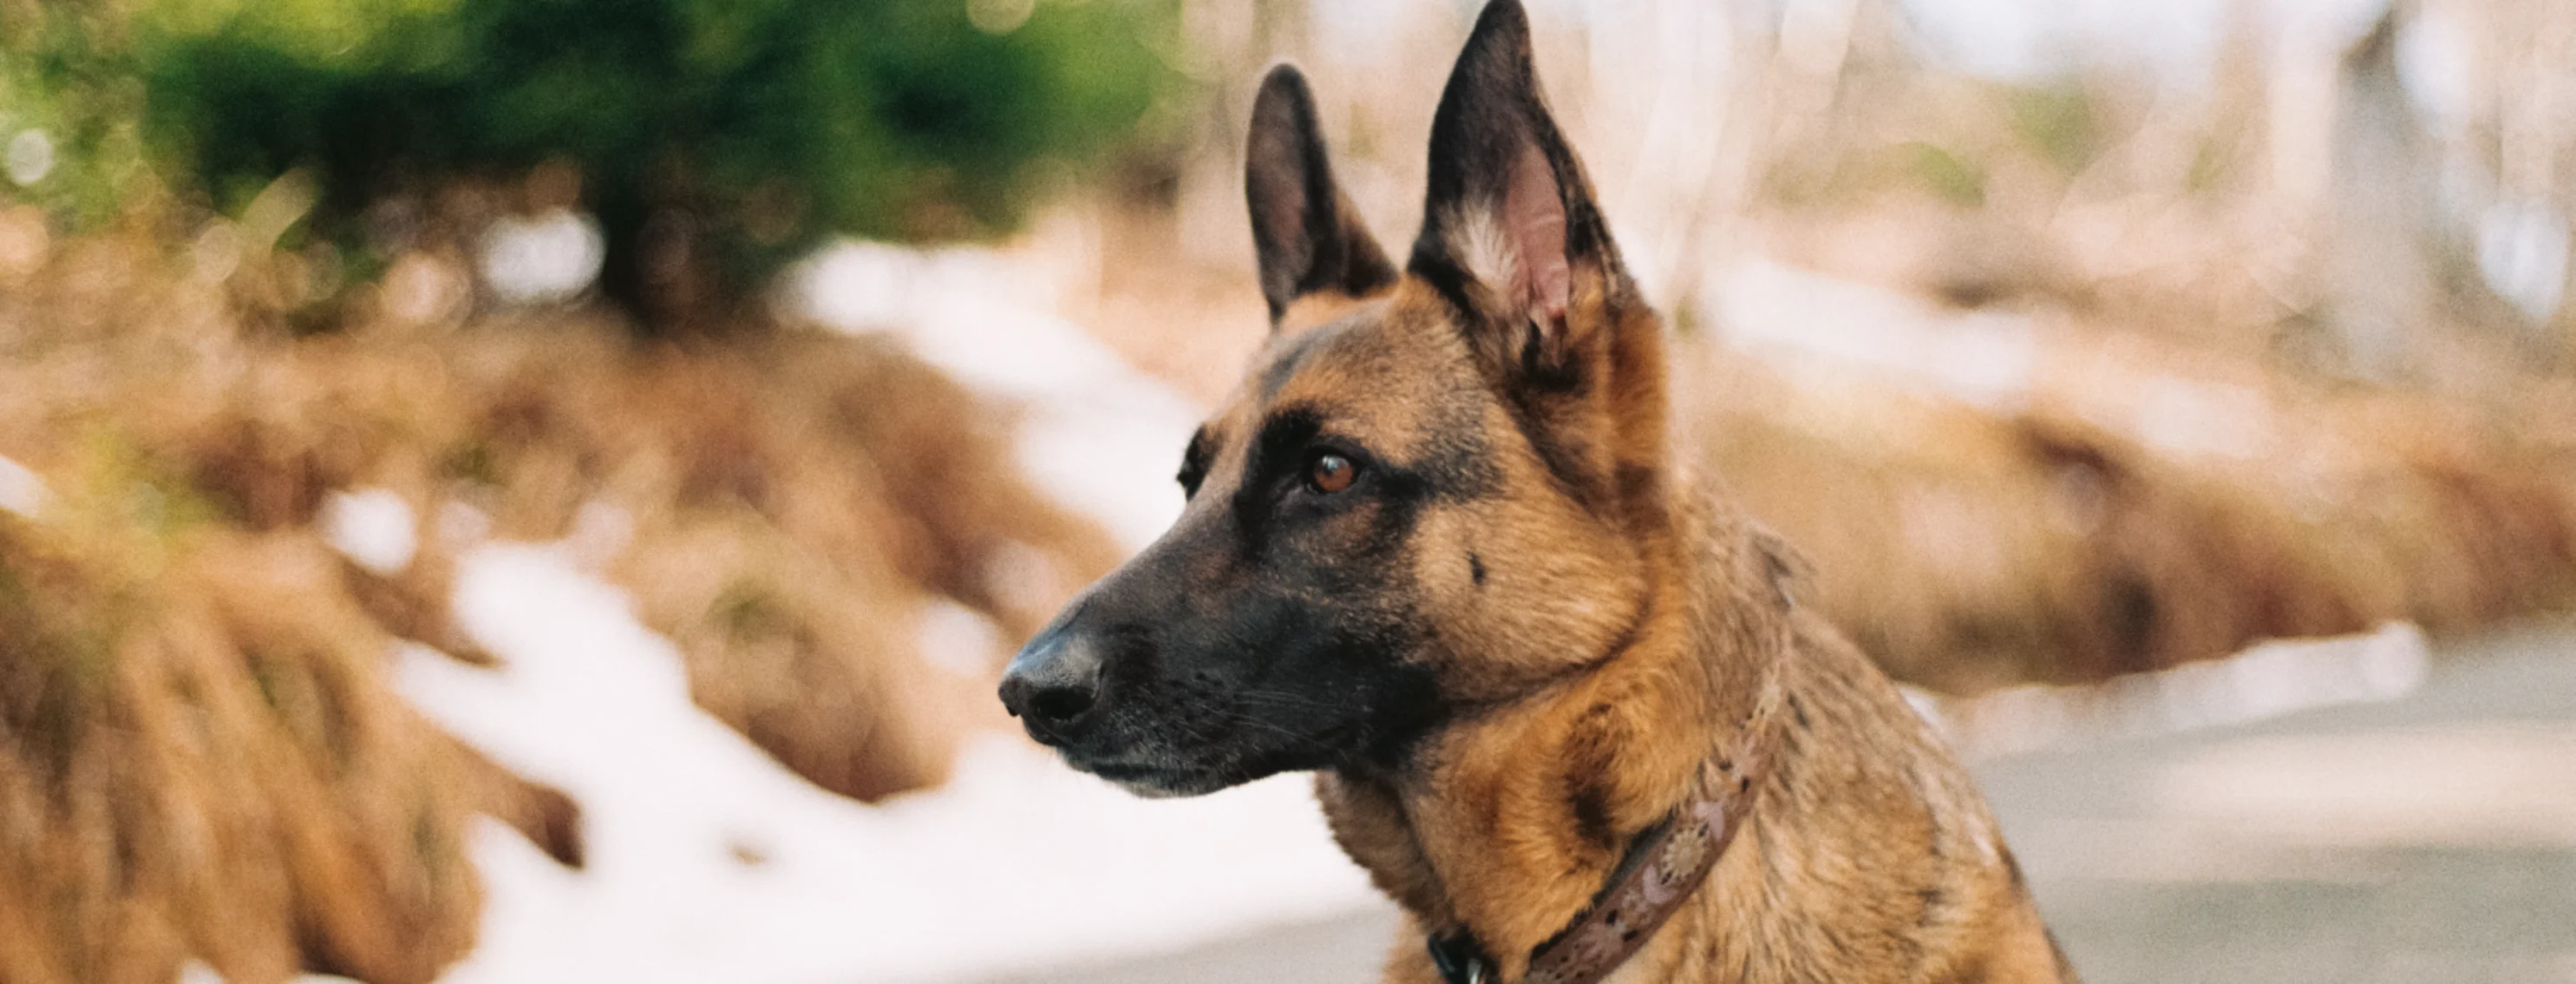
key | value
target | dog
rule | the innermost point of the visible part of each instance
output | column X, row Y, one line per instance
column 1441, row 550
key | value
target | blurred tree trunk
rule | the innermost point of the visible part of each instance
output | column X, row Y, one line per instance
column 2381, row 218
column 2511, row 265
column 660, row 266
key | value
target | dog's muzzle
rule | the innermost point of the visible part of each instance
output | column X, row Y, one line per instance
column 1053, row 685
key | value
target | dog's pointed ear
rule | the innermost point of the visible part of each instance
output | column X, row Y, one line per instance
column 1512, row 237
column 1509, row 226
column 1305, row 233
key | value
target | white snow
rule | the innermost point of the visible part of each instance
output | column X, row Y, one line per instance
column 1792, row 318
column 2266, row 680
column 372, row 527
column 1019, row 865
column 1097, row 433
column 21, row 491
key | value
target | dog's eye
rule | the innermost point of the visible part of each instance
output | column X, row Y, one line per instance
column 1330, row 472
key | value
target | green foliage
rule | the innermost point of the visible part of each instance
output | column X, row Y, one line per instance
column 2060, row 123
column 67, row 89
column 1957, row 180
column 769, row 122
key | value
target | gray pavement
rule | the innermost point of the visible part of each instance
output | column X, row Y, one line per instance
column 2427, row 839
column 2432, row 838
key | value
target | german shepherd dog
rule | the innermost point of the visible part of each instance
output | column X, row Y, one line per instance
column 1440, row 549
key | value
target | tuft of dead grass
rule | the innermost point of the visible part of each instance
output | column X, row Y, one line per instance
column 2144, row 510
column 199, row 755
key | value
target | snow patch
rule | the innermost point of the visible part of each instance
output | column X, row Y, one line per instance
column 21, row 491
column 708, row 861
column 2266, row 680
column 1098, row 434
column 374, row 528
column 1789, row 317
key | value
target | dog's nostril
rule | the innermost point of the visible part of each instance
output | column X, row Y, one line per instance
column 1053, row 686
column 1061, row 703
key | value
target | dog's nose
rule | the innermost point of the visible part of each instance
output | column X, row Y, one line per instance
column 1053, row 685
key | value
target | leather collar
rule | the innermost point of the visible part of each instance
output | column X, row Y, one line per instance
column 1661, row 868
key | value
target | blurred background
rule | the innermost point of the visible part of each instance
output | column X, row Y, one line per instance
column 532, row 490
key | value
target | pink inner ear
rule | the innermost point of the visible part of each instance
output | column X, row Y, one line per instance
column 1534, row 215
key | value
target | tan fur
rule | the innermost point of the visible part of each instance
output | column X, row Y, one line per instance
column 1870, row 856
column 1316, row 309
column 1597, row 624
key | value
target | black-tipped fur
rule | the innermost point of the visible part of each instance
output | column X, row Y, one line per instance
column 1304, row 232
column 1492, row 117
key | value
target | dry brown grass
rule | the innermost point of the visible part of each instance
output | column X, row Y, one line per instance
column 199, row 755
column 1969, row 548
column 201, row 758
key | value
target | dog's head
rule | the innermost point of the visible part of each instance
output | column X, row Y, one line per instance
column 1432, row 492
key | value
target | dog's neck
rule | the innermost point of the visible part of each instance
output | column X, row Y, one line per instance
column 1507, row 825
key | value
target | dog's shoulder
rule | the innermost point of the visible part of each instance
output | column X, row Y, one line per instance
column 1873, row 854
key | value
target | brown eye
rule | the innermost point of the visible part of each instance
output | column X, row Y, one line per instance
column 1331, row 473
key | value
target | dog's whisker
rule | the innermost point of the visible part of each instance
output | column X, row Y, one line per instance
column 1287, row 701
column 1272, row 727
